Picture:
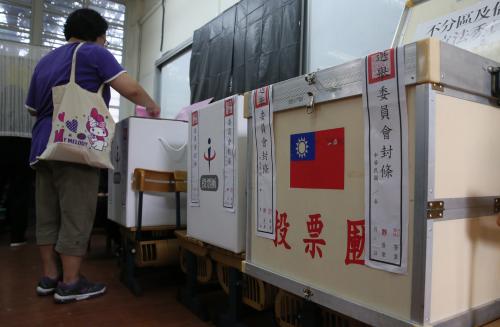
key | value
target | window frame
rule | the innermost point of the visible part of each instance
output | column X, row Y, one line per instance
column 37, row 12
column 19, row 3
column 308, row 53
column 165, row 59
column 36, row 28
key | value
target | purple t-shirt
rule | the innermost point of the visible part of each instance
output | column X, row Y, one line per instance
column 94, row 65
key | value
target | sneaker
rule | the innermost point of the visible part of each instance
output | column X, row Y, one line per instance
column 80, row 290
column 16, row 244
column 17, row 240
column 46, row 286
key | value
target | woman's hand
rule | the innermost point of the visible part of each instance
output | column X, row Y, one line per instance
column 154, row 110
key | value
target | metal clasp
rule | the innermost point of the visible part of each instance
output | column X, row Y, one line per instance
column 310, row 104
column 495, row 82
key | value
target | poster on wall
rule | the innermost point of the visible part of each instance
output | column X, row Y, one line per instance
column 386, row 162
column 470, row 28
column 262, row 113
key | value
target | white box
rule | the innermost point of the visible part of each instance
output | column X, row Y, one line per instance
column 217, row 213
column 156, row 144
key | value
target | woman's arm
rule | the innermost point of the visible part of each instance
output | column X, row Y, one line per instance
column 130, row 89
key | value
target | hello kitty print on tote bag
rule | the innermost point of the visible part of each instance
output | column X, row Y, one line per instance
column 82, row 128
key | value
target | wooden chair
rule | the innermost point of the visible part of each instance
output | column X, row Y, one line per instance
column 149, row 181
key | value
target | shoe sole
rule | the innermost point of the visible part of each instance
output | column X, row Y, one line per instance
column 44, row 291
column 17, row 244
column 72, row 298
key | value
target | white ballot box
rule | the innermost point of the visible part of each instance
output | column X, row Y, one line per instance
column 155, row 144
column 217, row 174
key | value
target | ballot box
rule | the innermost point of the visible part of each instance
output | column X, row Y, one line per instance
column 217, row 174
column 154, row 144
column 384, row 187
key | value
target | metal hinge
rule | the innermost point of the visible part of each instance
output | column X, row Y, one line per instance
column 307, row 293
column 437, row 87
column 496, row 206
column 495, row 82
column 435, row 209
column 310, row 78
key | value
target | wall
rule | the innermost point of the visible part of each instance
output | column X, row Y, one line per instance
column 143, row 34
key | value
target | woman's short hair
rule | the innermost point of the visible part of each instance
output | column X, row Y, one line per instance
column 85, row 24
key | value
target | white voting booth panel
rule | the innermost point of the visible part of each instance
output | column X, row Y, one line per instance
column 439, row 267
column 217, row 174
column 155, row 144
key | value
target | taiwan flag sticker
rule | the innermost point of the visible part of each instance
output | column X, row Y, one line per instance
column 317, row 159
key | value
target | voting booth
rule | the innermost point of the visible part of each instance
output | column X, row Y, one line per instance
column 375, row 185
column 217, row 174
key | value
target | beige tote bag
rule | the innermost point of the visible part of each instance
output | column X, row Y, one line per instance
column 82, row 127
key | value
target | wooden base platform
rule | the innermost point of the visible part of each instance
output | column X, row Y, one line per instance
column 232, row 279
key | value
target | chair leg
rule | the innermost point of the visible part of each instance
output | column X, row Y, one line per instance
column 130, row 253
column 177, row 210
column 132, row 282
column 127, row 261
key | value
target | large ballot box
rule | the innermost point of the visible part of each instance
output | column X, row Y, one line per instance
column 155, row 144
column 382, row 198
column 217, row 174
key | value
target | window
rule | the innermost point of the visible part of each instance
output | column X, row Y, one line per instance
column 15, row 20
column 175, row 90
column 17, row 17
column 349, row 30
column 114, row 13
column 55, row 13
column 54, row 17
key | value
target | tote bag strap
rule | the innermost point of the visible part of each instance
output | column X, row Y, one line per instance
column 99, row 91
column 73, row 64
column 73, row 69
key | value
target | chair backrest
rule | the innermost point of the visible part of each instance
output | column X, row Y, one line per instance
column 153, row 181
column 146, row 180
column 180, row 177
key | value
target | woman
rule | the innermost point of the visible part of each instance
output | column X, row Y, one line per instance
column 66, row 193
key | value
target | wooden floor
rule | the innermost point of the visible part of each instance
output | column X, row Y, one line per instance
column 20, row 306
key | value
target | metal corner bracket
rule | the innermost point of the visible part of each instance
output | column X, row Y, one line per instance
column 496, row 206
column 435, row 209
column 437, row 87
